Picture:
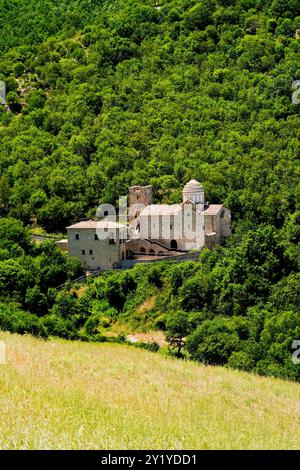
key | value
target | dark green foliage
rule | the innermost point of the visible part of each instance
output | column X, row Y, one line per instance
column 153, row 347
column 17, row 321
column 177, row 329
column 107, row 94
column 58, row 326
column 29, row 272
column 241, row 360
column 122, row 93
column 154, row 277
column 213, row 342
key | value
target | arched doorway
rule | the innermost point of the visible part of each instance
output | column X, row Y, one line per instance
column 142, row 250
column 151, row 252
column 174, row 244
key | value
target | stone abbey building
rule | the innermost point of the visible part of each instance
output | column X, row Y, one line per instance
column 153, row 231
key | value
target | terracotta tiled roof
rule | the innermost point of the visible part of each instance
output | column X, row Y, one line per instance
column 96, row 224
column 213, row 209
column 162, row 209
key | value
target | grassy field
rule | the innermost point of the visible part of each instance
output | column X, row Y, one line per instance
column 65, row 395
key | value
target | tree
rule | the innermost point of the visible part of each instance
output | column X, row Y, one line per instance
column 213, row 341
column 177, row 329
column 196, row 292
column 13, row 101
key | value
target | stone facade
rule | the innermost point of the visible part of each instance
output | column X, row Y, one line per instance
column 178, row 226
column 154, row 230
column 139, row 197
column 62, row 244
column 98, row 244
column 191, row 225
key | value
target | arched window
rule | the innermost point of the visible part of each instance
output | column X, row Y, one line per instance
column 142, row 250
column 152, row 252
column 174, row 244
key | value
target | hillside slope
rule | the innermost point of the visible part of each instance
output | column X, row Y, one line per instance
column 128, row 94
column 73, row 395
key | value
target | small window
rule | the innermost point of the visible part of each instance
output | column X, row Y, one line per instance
column 83, row 252
column 76, row 236
column 91, row 252
column 96, row 236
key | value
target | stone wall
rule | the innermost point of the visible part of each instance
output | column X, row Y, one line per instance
column 139, row 197
column 94, row 254
column 192, row 256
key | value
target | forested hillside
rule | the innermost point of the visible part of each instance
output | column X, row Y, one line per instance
column 106, row 94
column 141, row 95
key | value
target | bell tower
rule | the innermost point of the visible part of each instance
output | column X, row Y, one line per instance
column 139, row 197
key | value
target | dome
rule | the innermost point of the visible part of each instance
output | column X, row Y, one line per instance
column 193, row 192
column 193, row 186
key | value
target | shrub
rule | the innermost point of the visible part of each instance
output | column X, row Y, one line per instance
column 241, row 360
column 154, row 277
column 58, row 326
column 153, row 347
column 160, row 323
column 92, row 324
column 213, row 342
column 105, row 322
column 17, row 321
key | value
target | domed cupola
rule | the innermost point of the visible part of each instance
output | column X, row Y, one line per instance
column 193, row 191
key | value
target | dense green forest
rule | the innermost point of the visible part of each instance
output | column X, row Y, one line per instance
column 102, row 95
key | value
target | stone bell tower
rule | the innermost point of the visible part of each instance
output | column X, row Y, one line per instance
column 139, row 197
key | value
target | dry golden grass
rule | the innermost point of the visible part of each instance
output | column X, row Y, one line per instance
column 147, row 305
column 65, row 395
